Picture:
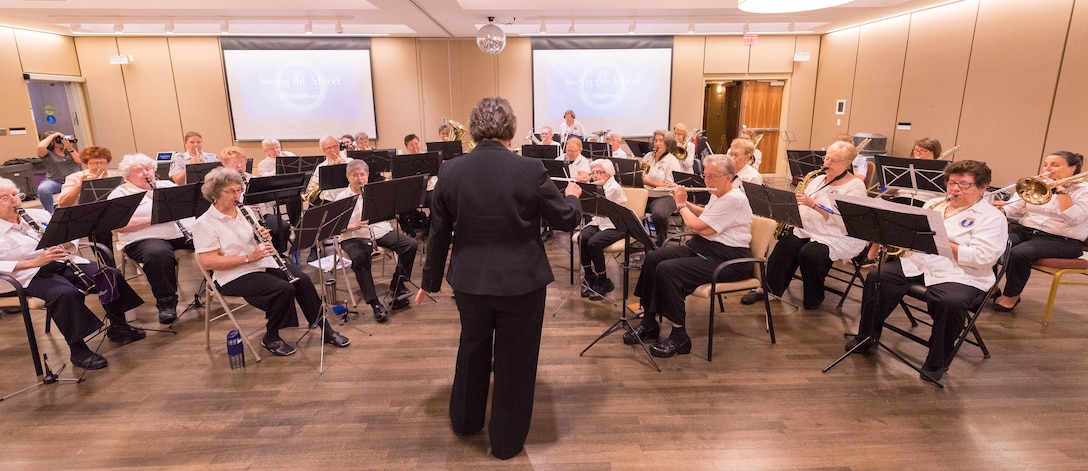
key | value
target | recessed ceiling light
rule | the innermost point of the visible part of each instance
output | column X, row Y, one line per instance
column 225, row 27
column 309, row 27
column 543, row 27
column 168, row 27
column 631, row 28
column 118, row 28
column 75, row 28
column 571, row 29
column 339, row 27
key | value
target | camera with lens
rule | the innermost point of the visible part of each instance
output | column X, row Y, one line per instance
column 61, row 139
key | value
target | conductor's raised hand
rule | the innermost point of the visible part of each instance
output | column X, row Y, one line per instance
column 573, row 190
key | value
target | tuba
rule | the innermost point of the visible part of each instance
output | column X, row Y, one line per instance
column 1035, row 190
column 460, row 133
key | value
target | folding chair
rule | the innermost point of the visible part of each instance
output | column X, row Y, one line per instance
column 1057, row 268
column 636, row 202
column 212, row 292
column 762, row 233
column 20, row 299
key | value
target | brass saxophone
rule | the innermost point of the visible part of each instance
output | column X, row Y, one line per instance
column 800, row 190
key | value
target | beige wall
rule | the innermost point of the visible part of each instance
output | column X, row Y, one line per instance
column 15, row 113
column 1004, row 81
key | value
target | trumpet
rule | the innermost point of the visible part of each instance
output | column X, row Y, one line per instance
column 84, row 280
column 257, row 234
column 1035, row 190
column 185, row 232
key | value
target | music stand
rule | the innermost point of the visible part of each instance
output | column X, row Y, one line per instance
column 891, row 224
column 628, row 172
column 317, row 224
column 177, row 202
column 98, row 189
column 592, row 195
column 297, row 163
column 333, row 177
column 772, row 203
column 536, row 151
column 447, row 149
column 377, row 162
column 426, row 163
column 194, row 173
column 596, row 150
column 640, row 148
column 386, row 200
column 912, row 175
column 275, row 188
column 627, row 222
column 801, row 162
column 691, row 180
column 557, row 169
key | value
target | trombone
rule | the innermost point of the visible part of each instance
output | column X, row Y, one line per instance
column 1036, row 190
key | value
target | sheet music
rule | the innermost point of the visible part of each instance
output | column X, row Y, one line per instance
column 935, row 218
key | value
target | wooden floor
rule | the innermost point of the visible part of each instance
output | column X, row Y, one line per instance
column 381, row 403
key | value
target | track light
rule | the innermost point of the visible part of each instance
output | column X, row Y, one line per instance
column 225, row 27
column 543, row 27
column 745, row 30
column 339, row 27
column 309, row 27
column 571, row 29
column 631, row 28
column 118, row 28
column 691, row 27
column 168, row 28
column 75, row 28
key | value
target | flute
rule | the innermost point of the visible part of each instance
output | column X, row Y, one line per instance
column 88, row 284
column 184, row 231
column 692, row 189
column 257, row 226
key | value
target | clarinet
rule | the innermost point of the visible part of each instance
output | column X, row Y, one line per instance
column 184, row 231
column 257, row 226
column 88, row 284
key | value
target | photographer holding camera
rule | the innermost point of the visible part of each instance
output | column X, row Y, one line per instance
column 61, row 159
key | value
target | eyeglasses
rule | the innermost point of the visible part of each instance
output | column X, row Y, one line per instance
column 232, row 191
column 336, row 147
column 962, row 185
column 7, row 198
column 598, row 172
column 358, row 174
column 709, row 177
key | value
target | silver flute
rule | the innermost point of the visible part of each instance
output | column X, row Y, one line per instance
column 84, row 280
column 696, row 189
column 257, row 226
column 185, row 232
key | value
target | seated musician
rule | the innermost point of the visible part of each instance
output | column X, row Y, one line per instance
column 599, row 233
column 570, row 127
column 234, row 158
column 977, row 233
column 330, row 146
column 823, row 238
column 411, row 221
column 44, row 275
column 193, row 154
column 357, row 241
column 1054, row 229
column 444, row 132
column 741, row 150
column 684, row 143
column 547, row 137
column 659, row 165
column 272, row 149
column 669, row 274
column 615, row 145
column 152, row 245
column 757, row 155
column 577, row 164
column 362, row 141
column 97, row 160
column 243, row 267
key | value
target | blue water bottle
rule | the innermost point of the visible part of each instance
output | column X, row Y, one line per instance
column 235, row 351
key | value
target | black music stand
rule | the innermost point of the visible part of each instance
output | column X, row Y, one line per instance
column 386, row 200
column 98, row 189
column 596, row 150
column 691, row 180
column 194, row 173
column 447, row 149
column 317, row 224
column 628, row 172
column 891, row 224
column 911, row 175
column 174, row 203
column 640, row 148
column 627, row 222
column 802, row 162
column 592, row 194
column 550, row 151
column 333, row 177
column 377, row 162
column 297, row 163
column 558, row 169
column 275, row 188
column 426, row 163
column 772, row 203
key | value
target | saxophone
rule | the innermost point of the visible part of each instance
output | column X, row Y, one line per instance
column 780, row 230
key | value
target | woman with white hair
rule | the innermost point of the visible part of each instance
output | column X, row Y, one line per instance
column 151, row 245
column 600, row 233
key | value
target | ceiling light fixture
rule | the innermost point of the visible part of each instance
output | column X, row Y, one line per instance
column 118, row 28
column 490, row 38
column 786, row 6
column 543, row 27
column 633, row 26
column 75, row 28
column 746, row 28
column 168, row 28
column 225, row 27
column 571, row 29
column 309, row 27
column 691, row 27
column 339, row 27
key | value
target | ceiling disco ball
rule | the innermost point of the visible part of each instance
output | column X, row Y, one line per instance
column 491, row 39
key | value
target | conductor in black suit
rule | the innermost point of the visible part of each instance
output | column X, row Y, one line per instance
column 493, row 200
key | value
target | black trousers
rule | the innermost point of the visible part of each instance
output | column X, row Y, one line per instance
column 1028, row 247
column 359, row 251
column 503, row 331
column 812, row 257
column 669, row 274
column 661, row 209
column 160, row 266
column 270, row 292
column 947, row 303
column 279, row 230
column 56, row 284
column 591, row 245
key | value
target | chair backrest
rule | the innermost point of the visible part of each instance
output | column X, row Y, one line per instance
column 762, row 233
column 636, row 200
column 870, row 174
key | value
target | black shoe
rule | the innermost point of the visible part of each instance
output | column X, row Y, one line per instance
column 334, row 338
column 167, row 315
column 1000, row 308
column 278, row 347
column 642, row 332
column 400, row 304
column 586, row 291
column 933, row 375
column 125, row 333
column 604, row 285
column 381, row 314
column 866, row 348
column 670, row 347
column 89, row 360
column 752, row 297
